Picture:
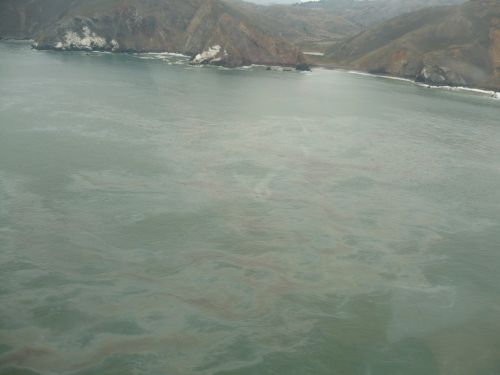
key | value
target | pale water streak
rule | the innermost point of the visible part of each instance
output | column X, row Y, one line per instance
column 157, row 218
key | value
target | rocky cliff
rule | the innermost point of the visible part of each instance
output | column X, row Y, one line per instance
column 212, row 31
column 455, row 45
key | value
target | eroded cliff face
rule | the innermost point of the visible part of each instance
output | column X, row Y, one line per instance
column 241, row 42
column 118, row 29
column 192, row 27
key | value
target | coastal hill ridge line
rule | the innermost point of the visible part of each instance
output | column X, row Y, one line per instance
column 438, row 42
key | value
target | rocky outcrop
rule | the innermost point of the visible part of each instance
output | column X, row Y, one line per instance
column 240, row 36
column 84, row 39
column 212, row 55
column 303, row 67
column 440, row 76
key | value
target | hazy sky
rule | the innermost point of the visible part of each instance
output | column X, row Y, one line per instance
column 273, row 1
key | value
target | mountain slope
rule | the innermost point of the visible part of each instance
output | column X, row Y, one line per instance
column 370, row 12
column 300, row 25
column 217, row 31
column 317, row 25
column 313, row 25
column 456, row 45
column 21, row 19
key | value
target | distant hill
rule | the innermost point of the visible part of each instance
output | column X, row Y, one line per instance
column 369, row 12
column 300, row 24
column 215, row 31
column 316, row 25
column 454, row 45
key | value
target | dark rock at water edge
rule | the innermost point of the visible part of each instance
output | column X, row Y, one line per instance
column 303, row 67
column 440, row 76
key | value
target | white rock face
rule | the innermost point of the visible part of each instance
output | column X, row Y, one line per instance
column 89, row 41
column 209, row 55
column 114, row 45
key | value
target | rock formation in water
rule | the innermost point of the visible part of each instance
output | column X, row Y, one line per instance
column 455, row 45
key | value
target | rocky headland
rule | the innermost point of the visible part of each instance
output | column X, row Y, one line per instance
column 211, row 31
column 448, row 46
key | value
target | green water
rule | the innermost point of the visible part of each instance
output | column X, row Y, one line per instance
column 161, row 219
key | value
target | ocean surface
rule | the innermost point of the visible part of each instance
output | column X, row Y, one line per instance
column 163, row 219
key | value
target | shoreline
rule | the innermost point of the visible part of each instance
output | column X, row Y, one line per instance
column 153, row 55
column 493, row 94
column 11, row 39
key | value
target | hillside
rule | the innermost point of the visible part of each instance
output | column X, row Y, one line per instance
column 455, row 45
column 310, row 26
column 318, row 25
column 366, row 13
column 214, row 31
column 21, row 19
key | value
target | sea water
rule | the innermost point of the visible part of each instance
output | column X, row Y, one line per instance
column 162, row 219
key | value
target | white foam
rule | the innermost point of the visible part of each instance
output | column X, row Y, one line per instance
column 379, row 76
column 164, row 54
column 171, row 58
column 492, row 94
column 312, row 53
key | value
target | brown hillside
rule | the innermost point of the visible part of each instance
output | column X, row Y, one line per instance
column 456, row 45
